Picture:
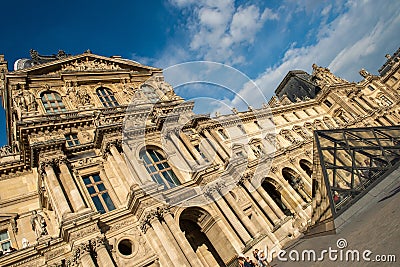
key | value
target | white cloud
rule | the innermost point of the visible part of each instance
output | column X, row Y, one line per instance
column 359, row 37
column 217, row 28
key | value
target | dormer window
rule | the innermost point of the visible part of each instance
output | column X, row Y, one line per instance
column 52, row 102
column 107, row 97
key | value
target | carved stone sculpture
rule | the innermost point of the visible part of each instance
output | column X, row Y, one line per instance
column 38, row 224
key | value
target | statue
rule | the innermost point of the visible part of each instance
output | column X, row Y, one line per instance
column 30, row 101
column 38, row 224
column 364, row 73
column 25, row 242
column 324, row 76
column 26, row 101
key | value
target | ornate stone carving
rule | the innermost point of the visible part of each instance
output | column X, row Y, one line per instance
column 25, row 100
column 78, row 95
column 90, row 65
column 364, row 73
column 5, row 151
column 323, row 76
column 38, row 224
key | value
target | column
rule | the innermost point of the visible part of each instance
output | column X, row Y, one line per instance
column 215, row 146
column 219, row 143
column 225, row 210
column 181, row 150
column 121, row 164
column 56, row 194
column 261, row 202
column 369, row 103
column 181, row 240
column 199, row 159
column 251, row 228
column 236, row 244
column 175, row 256
column 82, row 252
column 103, row 257
column 271, row 203
column 295, row 199
column 155, row 243
column 211, row 151
column 207, row 256
column 70, row 187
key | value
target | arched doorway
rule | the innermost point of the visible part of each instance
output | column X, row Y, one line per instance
column 206, row 238
column 306, row 166
column 295, row 182
column 276, row 197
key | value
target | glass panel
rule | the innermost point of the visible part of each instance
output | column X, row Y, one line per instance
column 91, row 190
column 50, row 97
column 152, row 169
column 5, row 246
column 174, row 178
column 86, row 180
column 167, row 177
column 157, row 178
column 96, row 178
column 101, row 187
column 160, row 166
column 153, row 156
column 3, row 236
column 97, row 203
column 146, row 158
column 108, row 201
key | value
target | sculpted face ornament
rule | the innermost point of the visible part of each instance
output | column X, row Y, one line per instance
column 168, row 146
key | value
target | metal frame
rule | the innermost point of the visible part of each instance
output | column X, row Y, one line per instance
column 354, row 160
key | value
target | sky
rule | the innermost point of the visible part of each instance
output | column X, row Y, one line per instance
column 257, row 41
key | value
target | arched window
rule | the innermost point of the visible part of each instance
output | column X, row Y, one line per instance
column 107, row 97
column 159, row 169
column 306, row 166
column 150, row 93
column 52, row 102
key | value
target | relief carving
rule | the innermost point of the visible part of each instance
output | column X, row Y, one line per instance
column 25, row 101
column 90, row 65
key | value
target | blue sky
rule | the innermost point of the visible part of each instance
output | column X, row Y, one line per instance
column 262, row 39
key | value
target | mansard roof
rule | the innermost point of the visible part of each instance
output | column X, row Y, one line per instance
column 297, row 84
column 86, row 62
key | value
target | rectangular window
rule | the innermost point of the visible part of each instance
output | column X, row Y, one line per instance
column 72, row 139
column 371, row 88
column 5, row 241
column 98, row 192
column 328, row 103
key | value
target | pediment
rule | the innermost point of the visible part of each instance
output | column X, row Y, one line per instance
column 86, row 63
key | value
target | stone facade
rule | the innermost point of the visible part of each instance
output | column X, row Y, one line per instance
column 72, row 193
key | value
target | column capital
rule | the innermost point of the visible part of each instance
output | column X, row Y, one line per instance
column 150, row 216
column 98, row 241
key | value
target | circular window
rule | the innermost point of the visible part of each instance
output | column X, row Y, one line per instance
column 125, row 247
